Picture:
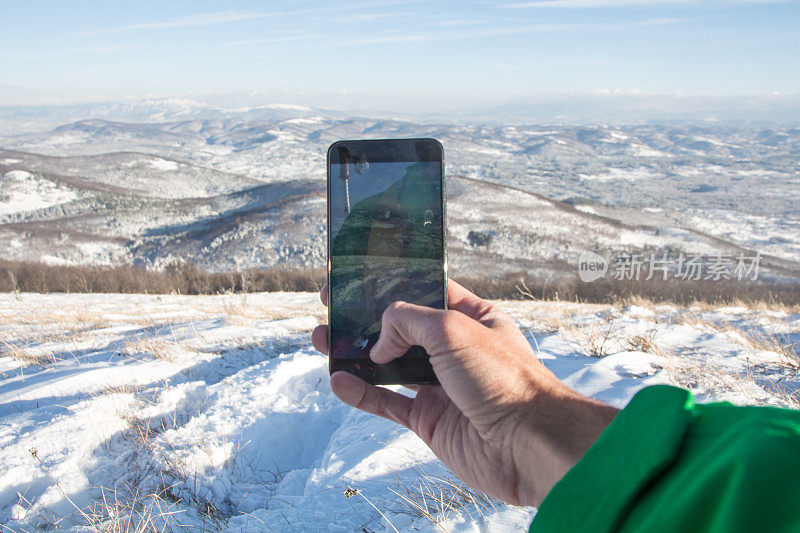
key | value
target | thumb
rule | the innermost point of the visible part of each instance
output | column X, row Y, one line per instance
column 404, row 325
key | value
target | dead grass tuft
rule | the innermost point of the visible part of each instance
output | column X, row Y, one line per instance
column 158, row 348
column 125, row 508
column 595, row 339
column 698, row 376
column 645, row 342
column 755, row 339
column 122, row 388
column 781, row 344
column 174, row 483
column 600, row 339
column 19, row 353
column 238, row 310
column 438, row 495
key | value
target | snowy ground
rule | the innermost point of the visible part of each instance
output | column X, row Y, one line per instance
column 214, row 412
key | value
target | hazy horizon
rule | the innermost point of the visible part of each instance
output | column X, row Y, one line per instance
column 400, row 56
column 565, row 108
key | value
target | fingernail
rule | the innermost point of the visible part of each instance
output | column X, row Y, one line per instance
column 375, row 350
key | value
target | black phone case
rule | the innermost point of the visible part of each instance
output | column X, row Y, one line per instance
column 398, row 372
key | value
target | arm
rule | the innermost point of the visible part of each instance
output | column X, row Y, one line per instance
column 668, row 464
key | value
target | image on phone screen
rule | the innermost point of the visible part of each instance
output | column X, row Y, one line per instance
column 386, row 244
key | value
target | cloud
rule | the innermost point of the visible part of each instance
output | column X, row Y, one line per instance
column 392, row 39
column 223, row 17
column 205, row 19
column 111, row 49
column 517, row 30
column 267, row 40
column 574, row 4
column 368, row 17
column 457, row 22
column 75, row 51
column 594, row 3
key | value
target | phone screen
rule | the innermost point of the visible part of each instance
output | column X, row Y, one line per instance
column 385, row 243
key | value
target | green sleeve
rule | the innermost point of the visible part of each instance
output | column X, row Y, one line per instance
column 668, row 464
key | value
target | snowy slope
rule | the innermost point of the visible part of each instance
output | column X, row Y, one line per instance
column 165, row 180
column 700, row 187
column 21, row 191
column 215, row 412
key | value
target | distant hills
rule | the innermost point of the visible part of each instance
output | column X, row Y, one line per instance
column 231, row 189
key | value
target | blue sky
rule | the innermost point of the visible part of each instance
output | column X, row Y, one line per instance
column 447, row 51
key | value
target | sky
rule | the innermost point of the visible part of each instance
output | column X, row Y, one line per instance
column 470, row 52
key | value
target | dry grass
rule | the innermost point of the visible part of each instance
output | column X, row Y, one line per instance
column 696, row 375
column 753, row 339
column 321, row 316
column 123, row 508
column 596, row 339
column 68, row 325
column 122, row 388
column 438, row 495
column 137, row 503
column 787, row 350
column 25, row 355
column 645, row 342
column 600, row 339
column 158, row 348
column 187, row 278
column 521, row 285
column 753, row 305
column 239, row 310
column 350, row 492
column 763, row 383
column 691, row 368
column 178, row 278
column 549, row 317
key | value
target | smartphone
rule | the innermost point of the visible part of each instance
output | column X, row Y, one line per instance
column 386, row 242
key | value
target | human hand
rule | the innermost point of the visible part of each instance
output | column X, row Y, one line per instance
column 502, row 422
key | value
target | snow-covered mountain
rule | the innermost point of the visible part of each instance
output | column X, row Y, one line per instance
column 236, row 188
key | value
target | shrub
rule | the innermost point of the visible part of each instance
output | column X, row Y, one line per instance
column 188, row 278
column 183, row 278
column 520, row 285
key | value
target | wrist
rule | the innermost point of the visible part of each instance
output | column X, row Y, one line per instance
column 562, row 425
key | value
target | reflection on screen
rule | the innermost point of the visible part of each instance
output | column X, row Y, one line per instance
column 386, row 245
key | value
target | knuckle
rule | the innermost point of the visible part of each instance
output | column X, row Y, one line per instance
column 393, row 309
column 500, row 317
column 489, row 309
column 381, row 404
column 363, row 400
column 451, row 325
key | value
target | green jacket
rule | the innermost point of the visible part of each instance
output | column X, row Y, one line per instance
column 668, row 464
